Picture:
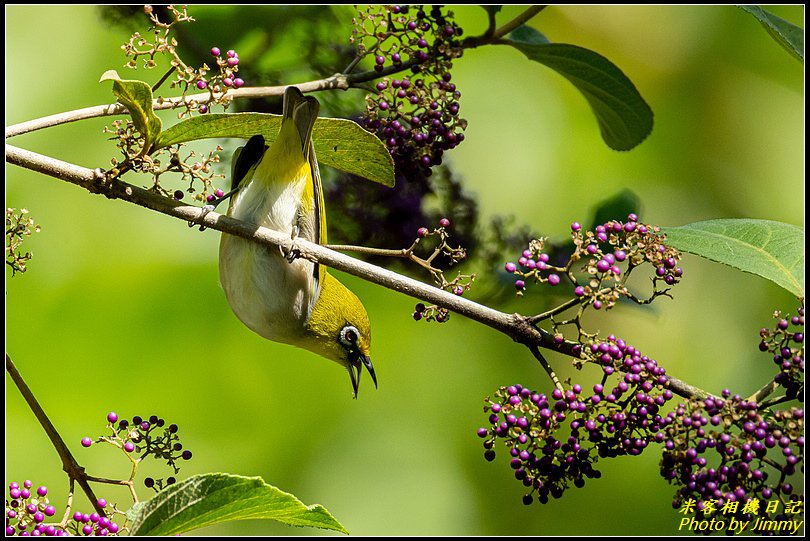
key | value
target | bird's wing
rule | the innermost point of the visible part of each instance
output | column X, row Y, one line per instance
column 245, row 158
column 320, row 209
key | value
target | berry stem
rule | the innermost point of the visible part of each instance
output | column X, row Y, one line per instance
column 554, row 311
column 69, row 463
column 546, row 367
column 764, row 392
column 163, row 79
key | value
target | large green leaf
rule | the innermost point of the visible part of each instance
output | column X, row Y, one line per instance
column 624, row 118
column 773, row 250
column 136, row 96
column 339, row 143
column 785, row 33
column 212, row 498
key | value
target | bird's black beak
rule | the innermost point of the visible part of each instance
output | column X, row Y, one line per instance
column 356, row 362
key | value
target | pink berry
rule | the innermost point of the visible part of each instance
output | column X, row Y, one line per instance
column 202, row 85
column 215, row 51
column 444, row 222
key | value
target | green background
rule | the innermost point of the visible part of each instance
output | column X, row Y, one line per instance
column 121, row 308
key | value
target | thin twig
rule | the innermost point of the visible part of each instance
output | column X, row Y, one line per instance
column 338, row 81
column 546, row 367
column 517, row 21
column 764, row 392
column 69, row 463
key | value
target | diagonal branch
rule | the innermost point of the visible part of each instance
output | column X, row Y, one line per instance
column 520, row 328
column 69, row 463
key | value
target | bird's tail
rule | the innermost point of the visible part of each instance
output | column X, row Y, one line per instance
column 302, row 110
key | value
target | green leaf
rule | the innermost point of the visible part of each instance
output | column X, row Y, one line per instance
column 212, row 498
column 624, row 118
column 773, row 250
column 136, row 96
column 529, row 34
column 339, row 143
column 786, row 34
column 617, row 207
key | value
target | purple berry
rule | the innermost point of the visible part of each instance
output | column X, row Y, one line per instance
column 42, row 491
column 553, row 279
column 510, row 267
column 112, row 417
column 231, row 54
column 178, row 195
column 102, row 503
column 520, row 285
column 215, row 51
column 422, row 232
column 576, row 226
column 86, row 442
column 202, row 85
column 129, row 447
column 579, row 291
column 232, row 61
column 219, row 193
column 444, row 222
column 603, row 265
column 238, row 83
column 227, row 81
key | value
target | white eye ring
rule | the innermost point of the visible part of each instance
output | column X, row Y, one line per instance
column 349, row 336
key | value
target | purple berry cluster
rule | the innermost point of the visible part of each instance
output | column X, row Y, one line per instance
column 27, row 509
column 224, row 79
column 729, row 449
column 555, row 441
column 93, row 523
column 610, row 253
column 145, row 437
column 786, row 344
column 534, row 264
column 415, row 115
column 458, row 286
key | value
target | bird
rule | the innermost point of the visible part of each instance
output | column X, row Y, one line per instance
column 276, row 295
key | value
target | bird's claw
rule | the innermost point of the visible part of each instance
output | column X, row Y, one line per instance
column 203, row 213
column 293, row 253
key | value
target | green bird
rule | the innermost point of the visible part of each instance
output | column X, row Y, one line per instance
column 296, row 301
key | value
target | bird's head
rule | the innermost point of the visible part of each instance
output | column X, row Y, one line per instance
column 338, row 329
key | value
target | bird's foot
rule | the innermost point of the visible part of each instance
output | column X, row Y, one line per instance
column 203, row 213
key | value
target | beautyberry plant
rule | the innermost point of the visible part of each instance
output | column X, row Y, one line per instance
column 417, row 114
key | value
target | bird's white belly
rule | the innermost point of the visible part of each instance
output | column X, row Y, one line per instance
column 272, row 296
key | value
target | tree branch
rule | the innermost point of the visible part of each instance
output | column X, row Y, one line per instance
column 69, row 463
column 338, row 81
column 520, row 328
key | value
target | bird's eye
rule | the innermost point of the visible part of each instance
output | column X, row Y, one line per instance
column 349, row 336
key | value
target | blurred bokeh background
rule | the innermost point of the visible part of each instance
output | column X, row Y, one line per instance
column 121, row 307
